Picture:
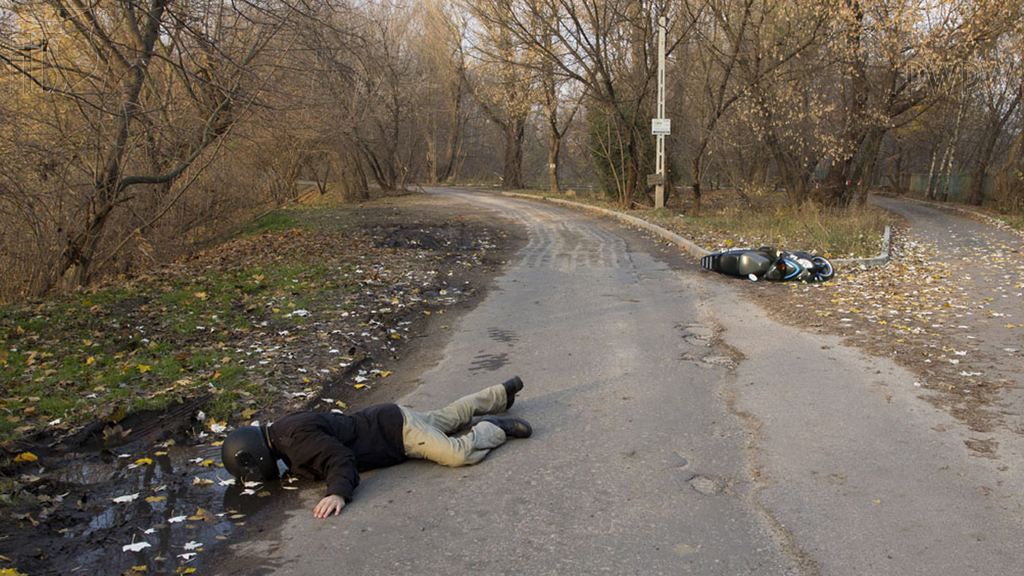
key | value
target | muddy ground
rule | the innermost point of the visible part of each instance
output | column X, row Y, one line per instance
column 146, row 494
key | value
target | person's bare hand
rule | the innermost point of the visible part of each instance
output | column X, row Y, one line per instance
column 329, row 505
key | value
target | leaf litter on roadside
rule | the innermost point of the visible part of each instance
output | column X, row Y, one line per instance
column 258, row 326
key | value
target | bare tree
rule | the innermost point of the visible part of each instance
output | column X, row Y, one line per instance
column 441, row 47
column 141, row 90
column 607, row 48
column 1001, row 88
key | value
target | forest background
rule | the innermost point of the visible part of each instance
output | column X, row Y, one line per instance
column 135, row 131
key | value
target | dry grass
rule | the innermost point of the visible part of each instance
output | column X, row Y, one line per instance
column 727, row 220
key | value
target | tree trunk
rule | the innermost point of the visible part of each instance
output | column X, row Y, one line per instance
column 695, row 166
column 931, row 184
column 80, row 249
column 513, row 173
column 554, row 146
column 1009, row 180
column 975, row 195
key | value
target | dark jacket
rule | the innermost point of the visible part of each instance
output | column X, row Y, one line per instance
column 336, row 447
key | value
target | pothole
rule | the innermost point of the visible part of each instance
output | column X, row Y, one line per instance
column 705, row 485
column 697, row 334
column 716, row 360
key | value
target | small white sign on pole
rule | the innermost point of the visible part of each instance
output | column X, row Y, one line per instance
column 661, row 126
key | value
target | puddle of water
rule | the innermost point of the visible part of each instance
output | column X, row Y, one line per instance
column 174, row 503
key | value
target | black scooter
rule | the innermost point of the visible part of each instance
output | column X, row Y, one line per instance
column 770, row 264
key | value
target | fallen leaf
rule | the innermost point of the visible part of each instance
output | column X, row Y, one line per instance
column 125, row 499
column 135, row 547
column 193, row 545
column 26, row 457
column 155, row 499
column 202, row 516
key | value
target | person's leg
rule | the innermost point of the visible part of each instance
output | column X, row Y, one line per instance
column 423, row 439
column 490, row 400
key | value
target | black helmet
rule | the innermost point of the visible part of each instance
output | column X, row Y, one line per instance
column 247, row 456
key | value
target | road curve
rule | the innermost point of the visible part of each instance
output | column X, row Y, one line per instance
column 635, row 466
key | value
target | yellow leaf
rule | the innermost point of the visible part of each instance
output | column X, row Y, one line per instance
column 90, row 361
column 1010, row 326
column 138, row 568
column 143, row 368
column 396, row 336
column 206, row 463
column 10, row 572
column 143, row 461
column 385, row 374
column 26, row 457
column 357, row 386
column 155, row 499
column 306, row 380
column 202, row 515
column 200, row 295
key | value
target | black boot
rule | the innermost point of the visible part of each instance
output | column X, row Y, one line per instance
column 511, row 387
column 513, row 427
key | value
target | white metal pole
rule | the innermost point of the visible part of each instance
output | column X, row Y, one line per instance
column 659, row 188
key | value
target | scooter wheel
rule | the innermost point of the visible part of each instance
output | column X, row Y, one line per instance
column 823, row 269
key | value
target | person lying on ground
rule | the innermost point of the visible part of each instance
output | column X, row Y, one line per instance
column 336, row 447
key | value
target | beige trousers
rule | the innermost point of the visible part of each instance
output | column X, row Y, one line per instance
column 426, row 434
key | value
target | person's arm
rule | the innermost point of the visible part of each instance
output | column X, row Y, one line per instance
column 316, row 450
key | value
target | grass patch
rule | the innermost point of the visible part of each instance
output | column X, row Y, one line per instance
column 726, row 220
column 275, row 221
column 854, row 232
column 1015, row 221
column 74, row 359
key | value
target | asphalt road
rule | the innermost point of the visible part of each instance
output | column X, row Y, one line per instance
column 677, row 430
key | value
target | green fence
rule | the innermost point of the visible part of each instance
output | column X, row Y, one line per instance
column 959, row 184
